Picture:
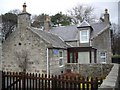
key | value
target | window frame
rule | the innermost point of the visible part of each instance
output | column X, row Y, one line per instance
column 81, row 36
column 103, row 56
column 60, row 59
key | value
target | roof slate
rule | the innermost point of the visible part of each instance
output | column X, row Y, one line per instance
column 57, row 35
column 50, row 38
column 69, row 33
column 99, row 27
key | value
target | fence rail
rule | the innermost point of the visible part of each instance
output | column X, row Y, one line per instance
column 32, row 81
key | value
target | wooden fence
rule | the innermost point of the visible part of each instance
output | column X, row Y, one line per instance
column 20, row 81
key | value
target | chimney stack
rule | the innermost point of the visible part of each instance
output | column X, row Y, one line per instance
column 24, row 8
column 106, row 16
column 24, row 18
column 47, row 23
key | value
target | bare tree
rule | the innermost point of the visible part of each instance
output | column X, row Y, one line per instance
column 22, row 59
column 15, row 11
column 79, row 13
column 115, row 39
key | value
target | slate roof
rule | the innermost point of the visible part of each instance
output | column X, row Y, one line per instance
column 69, row 33
column 50, row 38
column 98, row 28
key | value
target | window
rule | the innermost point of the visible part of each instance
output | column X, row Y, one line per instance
column 71, row 57
column 103, row 57
column 75, row 61
column 60, row 58
column 61, row 62
column 60, row 54
column 84, row 36
column 83, row 57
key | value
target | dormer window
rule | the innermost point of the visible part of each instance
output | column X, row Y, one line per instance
column 84, row 36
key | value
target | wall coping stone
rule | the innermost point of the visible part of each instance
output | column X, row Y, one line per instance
column 111, row 81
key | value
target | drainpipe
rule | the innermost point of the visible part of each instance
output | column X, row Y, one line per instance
column 47, row 64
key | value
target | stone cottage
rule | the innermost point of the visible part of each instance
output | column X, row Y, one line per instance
column 43, row 52
column 90, row 43
column 47, row 51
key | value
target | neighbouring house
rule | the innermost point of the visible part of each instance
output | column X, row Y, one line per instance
column 48, row 50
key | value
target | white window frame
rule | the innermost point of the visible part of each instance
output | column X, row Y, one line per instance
column 81, row 36
column 60, row 58
column 103, row 55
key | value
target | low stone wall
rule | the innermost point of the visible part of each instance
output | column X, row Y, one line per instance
column 93, row 70
column 112, row 81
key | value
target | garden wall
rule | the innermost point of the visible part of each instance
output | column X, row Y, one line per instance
column 93, row 70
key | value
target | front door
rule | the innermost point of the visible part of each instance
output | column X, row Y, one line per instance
column 83, row 57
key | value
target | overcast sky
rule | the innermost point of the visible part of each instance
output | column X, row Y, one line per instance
column 52, row 7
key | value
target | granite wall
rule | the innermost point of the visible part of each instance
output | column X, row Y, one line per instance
column 93, row 70
column 112, row 81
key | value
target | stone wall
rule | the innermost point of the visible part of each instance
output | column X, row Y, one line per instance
column 112, row 81
column 94, row 70
column 54, row 59
column 103, row 44
column 27, row 41
column 36, row 48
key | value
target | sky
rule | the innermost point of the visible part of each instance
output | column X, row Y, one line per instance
column 52, row 7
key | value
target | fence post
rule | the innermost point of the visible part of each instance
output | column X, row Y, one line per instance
column 54, row 82
column 23, row 81
column 2, row 81
column 96, row 83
